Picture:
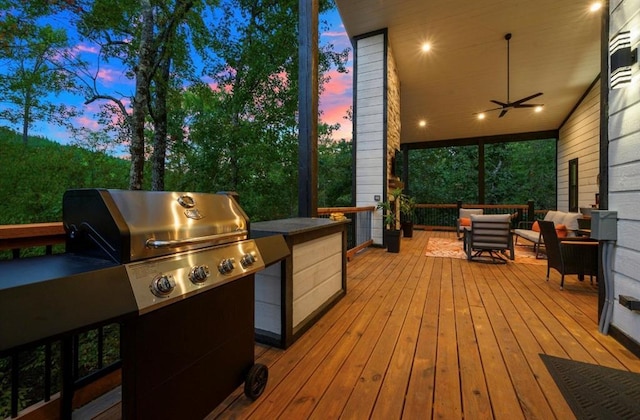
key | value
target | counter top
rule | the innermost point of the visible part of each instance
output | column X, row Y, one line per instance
column 294, row 226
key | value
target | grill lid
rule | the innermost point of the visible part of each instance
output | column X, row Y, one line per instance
column 128, row 226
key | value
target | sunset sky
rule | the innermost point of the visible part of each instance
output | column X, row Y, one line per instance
column 334, row 101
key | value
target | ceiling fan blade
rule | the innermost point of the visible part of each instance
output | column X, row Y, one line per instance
column 488, row 110
column 518, row 102
column 527, row 105
column 505, row 106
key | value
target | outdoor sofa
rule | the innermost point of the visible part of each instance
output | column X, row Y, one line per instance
column 566, row 224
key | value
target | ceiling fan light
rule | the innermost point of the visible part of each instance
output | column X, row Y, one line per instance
column 481, row 116
column 538, row 108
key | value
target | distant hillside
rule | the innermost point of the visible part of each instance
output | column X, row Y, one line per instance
column 34, row 177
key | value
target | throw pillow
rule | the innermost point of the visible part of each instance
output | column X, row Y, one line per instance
column 561, row 231
column 535, row 227
column 465, row 221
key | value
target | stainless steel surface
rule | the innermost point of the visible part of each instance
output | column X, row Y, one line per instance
column 161, row 281
column 172, row 244
column 129, row 226
column 161, row 217
column 211, row 239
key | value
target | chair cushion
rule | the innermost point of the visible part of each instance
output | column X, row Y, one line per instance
column 550, row 216
column 570, row 220
column 466, row 213
column 491, row 217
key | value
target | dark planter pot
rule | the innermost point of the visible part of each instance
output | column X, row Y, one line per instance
column 392, row 239
column 407, row 229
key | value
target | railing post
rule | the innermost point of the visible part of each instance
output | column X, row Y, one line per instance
column 15, row 383
column 66, row 365
column 459, row 205
column 531, row 213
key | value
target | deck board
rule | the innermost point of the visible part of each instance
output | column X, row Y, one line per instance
column 425, row 337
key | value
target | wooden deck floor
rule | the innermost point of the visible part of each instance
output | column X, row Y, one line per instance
column 421, row 337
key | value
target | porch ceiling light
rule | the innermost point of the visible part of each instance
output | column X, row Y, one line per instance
column 622, row 58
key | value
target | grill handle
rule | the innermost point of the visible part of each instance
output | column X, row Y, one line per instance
column 155, row 243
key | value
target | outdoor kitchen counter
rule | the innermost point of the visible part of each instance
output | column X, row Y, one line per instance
column 294, row 293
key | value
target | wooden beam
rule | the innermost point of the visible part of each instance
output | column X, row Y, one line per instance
column 308, row 108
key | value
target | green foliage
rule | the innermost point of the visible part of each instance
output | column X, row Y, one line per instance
column 444, row 175
column 34, row 177
column 408, row 208
column 335, row 173
column 390, row 209
column 515, row 172
column 243, row 133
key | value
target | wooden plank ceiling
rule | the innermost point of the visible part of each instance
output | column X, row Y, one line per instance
column 555, row 49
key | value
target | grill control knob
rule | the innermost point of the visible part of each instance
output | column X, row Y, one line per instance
column 163, row 285
column 248, row 260
column 226, row 266
column 199, row 274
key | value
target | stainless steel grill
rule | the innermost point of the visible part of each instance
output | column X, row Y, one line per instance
column 176, row 269
column 173, row 245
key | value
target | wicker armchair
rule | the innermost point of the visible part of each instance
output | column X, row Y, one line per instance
column 570, row 255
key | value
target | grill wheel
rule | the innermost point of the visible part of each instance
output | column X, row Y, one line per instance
column 256, row 381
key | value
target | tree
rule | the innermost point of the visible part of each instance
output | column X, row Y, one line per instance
column 32, row 75
column 143, row 36
column 242, row 125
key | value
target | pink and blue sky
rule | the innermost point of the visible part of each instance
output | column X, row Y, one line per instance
column 334, row 101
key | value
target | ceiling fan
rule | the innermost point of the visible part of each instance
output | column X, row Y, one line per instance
column 520, row 103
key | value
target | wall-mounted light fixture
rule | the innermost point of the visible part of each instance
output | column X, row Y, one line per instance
column 622, row 58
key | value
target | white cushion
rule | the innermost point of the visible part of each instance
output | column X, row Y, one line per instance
column 468, row 212
column 570, row 220
column 491, row 217
column 550, row 216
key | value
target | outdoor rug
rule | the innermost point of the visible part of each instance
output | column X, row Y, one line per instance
column 452, row 248
column 596, row 392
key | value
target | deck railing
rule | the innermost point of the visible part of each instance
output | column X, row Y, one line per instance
column 358, row 231
column 31, row 377
column 444, row 216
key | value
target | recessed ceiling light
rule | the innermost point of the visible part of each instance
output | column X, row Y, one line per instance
column 595, row 6
column 422, row 123
column 481, row 116
column 538, row 109
column 426, row 47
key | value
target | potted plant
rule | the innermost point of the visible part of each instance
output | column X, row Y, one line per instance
column 407, row 214
column 390, row 217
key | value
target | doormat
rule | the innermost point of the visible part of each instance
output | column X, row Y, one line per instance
column 452, row 248
column 596, row 392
